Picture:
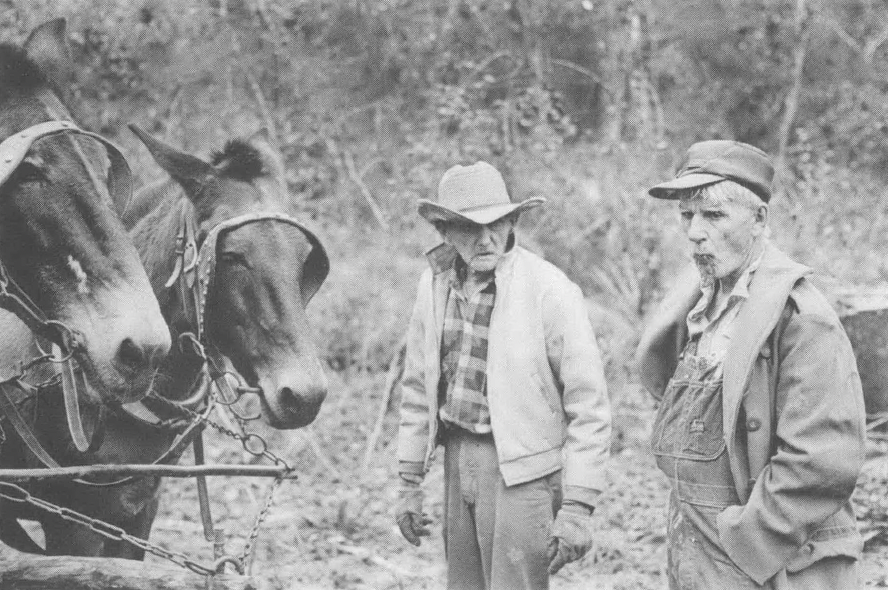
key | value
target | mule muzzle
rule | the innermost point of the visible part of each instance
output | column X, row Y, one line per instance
column 293, row 398
column 125, row 359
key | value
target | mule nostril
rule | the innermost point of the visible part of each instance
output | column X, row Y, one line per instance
column 137, row 356
column 311, row 396
column 130, row 354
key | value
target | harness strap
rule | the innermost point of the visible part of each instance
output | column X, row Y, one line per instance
column 8, row 407
column 72, row 403
column 14, row 299
column 173, row 452
column 15, row 147
column 203, row 493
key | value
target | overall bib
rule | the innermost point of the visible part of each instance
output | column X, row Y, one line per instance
column 688, row 443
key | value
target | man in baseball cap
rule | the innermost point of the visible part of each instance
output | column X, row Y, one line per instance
column 503, row 370
column 760, row 427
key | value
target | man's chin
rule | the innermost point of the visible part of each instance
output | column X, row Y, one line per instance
column 482, row 264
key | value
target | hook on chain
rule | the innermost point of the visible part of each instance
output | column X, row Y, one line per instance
column 219, row 564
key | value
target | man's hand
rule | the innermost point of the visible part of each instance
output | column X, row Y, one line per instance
column 571, row 535
column 409, row 515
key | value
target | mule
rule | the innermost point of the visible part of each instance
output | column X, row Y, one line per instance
column 63, row 248
column 69, row 271
column 266, row 270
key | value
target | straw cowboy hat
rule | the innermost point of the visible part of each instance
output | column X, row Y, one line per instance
column 475, row 193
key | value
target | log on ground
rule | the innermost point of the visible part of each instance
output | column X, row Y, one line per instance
column 23, row 571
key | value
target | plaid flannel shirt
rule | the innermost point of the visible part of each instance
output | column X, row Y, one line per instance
column 463, row 387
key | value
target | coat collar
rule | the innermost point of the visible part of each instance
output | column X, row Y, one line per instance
column 666, row 335
column 443, row 257
column 666, row 332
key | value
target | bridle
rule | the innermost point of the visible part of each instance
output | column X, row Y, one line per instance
column 13, row 151
column 193, row 275
column 66, row 342
column 194, row 272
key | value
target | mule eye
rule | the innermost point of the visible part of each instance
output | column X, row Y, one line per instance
column 233, row 258
column 28, row 172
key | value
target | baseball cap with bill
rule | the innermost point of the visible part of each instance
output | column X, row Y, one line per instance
column 708, row 162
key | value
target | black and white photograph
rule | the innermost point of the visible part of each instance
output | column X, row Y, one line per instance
column 443, row 294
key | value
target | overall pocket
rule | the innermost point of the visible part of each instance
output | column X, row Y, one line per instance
column 704, row 431
column 689, row 422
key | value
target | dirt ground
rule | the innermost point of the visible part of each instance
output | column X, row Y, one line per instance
column 333, row 527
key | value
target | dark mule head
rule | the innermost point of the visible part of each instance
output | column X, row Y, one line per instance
column 266, row 272
column 59, row 237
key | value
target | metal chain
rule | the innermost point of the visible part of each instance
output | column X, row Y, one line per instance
column 247, row 555
column 15, row 493
column 251, row 442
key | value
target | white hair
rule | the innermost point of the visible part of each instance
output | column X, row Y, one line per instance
column 726, row 191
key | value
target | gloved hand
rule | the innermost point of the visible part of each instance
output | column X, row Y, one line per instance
column 571, row 535
column 412, row 521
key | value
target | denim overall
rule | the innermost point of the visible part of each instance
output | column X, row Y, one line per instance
column 688, row 443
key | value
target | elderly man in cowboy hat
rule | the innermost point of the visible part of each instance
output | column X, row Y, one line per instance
column 502, row 369
column 760, row 428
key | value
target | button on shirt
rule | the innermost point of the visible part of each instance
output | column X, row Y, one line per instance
column 716, row 329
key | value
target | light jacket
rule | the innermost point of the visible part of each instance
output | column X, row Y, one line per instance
column 549, row 408
column 793, row 413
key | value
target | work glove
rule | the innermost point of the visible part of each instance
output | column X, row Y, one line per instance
column 571, row 535
column 412, row 521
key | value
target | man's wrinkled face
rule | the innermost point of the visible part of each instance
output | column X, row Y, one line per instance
column 480, row 246
column 722, row 234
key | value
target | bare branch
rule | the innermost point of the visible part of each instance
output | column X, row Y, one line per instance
column 396, row 369
column 349, row 161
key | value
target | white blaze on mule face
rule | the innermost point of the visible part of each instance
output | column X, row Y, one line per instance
column 79, row 274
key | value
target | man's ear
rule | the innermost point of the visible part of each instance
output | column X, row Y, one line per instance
column 762, row 217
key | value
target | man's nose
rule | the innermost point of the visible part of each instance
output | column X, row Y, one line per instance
column 485, row 234
column 695, row 230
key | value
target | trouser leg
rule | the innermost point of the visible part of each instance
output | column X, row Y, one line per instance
column 465, row 567
column 496, row 536
column 521, row 536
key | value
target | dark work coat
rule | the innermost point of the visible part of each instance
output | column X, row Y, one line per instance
column 794, row 419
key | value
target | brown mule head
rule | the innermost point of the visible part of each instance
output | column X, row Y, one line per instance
column 59, row 237
column 266, row 272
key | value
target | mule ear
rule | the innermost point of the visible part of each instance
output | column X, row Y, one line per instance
column 48, row 47
column 189, row 171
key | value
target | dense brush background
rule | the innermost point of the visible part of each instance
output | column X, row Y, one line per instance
column 584, row 102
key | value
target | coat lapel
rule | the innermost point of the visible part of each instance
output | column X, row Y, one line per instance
column 771, row 286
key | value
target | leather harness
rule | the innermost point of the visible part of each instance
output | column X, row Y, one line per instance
column 65, row 341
